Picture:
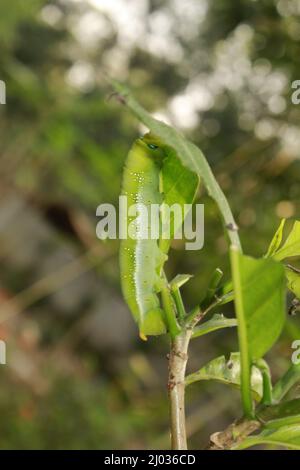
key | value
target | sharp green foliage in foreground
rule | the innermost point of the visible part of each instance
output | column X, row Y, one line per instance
column 228, row 372
column 286, row 436
column 283, row 414
column 189, row 154
column 259, row 287
column 217, row 322
column 152, row 175
column 291, row 246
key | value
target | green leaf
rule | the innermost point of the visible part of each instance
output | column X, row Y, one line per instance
column 259, row 287
column 189, row 154
column 179, row 186
column 286, row 436
column 215, row 323
column 283, row 414
column 291, row 246
column 293, row 279
column 228, row 372
column 276, row 240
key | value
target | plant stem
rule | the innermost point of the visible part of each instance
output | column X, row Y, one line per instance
column 176, row 388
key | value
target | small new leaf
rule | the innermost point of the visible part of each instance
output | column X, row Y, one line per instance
column 291, row 246
column 217, row 322
column 276, row 240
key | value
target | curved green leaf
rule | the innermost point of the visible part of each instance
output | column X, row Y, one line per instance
column 179, row 186
column 228, row 372
column 217, row 322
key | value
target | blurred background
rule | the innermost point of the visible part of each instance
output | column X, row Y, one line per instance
column 77, row 375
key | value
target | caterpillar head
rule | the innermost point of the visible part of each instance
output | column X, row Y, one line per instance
column 154, row 146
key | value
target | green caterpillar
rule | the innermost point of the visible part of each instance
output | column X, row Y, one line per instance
column 141, row 260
